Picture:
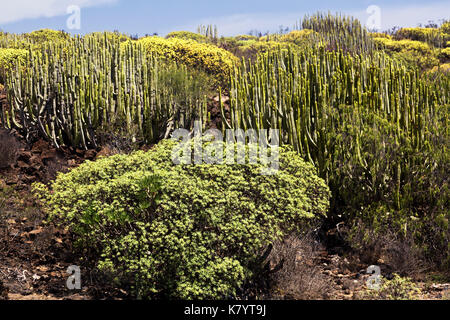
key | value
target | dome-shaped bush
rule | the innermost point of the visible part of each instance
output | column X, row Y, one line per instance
column 183, row 231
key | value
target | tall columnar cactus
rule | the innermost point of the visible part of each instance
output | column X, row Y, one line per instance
column 315, row 97
column 67, row 91
column 339, row 31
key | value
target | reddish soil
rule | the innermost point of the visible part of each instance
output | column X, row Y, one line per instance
column 35, row 255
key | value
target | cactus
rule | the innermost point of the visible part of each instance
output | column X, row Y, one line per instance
column 312, row 95
column 67, row 91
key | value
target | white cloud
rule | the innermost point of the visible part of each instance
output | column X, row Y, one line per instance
column 406, row 16
column 16, row 10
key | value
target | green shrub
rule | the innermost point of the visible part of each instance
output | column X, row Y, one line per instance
column 183, row 231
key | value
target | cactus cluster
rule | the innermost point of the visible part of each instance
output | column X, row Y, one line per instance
column 435, row 37
column 201, row 56
column 314, row 95
column 339, row 31
column 67, row 91
column 208, row 31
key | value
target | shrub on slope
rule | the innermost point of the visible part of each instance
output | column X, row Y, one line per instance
column 183, row 231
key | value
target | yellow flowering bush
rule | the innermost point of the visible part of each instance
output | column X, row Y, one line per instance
column 433, row 36
column 9, row 56
column 442, row 68
column 445, row 28
column 187, row 35
column 380, row 35
column 399, row 45
column 444, row 54
column 44, row 35
column 264, row 46
column 299, row 37
column 183, row 231
column 411, row 52
column 206, row 57
column 419, row 34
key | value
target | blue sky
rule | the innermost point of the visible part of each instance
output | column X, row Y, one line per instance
column 231, row 16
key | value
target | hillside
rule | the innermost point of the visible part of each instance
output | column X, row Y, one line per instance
column 196, row 166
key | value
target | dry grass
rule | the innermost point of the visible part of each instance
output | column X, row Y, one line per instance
column 300, row 278
column 394, row 254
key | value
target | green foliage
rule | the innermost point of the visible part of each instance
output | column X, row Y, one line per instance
column 68, row 91
column 183, row 231
column 206, row 57
column 397, row 288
